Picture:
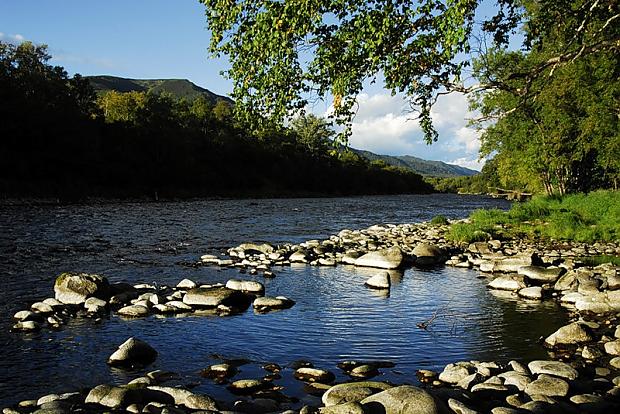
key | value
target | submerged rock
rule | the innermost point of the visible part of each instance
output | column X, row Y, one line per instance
column 133, row 352
column 74, row 288
column 314, row 375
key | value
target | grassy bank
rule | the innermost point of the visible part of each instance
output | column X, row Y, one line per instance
column 579, row 217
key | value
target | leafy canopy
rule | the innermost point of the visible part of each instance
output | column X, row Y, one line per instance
column 284, row 53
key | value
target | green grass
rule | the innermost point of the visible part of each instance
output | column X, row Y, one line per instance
column 439, row 219
column 579, row 217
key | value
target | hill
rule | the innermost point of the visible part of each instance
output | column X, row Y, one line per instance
column 179, row 88
column 419, row 165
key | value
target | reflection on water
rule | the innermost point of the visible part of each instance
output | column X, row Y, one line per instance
column 336, row 317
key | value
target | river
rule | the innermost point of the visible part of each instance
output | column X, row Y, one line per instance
column 336, row 318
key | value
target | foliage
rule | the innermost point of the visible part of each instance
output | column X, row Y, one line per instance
column 313, row 132
column 482, row 183
column 284, row 53
column 439, row 220
column 557, row 131
column 57, row 138
column 581, row 217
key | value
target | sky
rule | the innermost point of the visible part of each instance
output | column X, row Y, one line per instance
column 149, row 39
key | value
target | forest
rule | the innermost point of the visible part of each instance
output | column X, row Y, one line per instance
column 60, row 139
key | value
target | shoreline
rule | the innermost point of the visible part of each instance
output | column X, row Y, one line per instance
column 530, row 271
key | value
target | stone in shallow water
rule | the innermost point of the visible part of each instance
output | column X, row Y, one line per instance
column 428, row 254
column 352, row 391
column 213, row 297
column 76, row 288
column 314, row 375
column 541, row 274
column 534, row 293
column 133, row 352
column 571, row 334
column 267, row 303
column 557, row 368
column 512, row 283
column 404, row 399
column 379, row 281
column 454, row 373
column 249, row 286
column 134, row 311
column 186, row 284
column 391, row 258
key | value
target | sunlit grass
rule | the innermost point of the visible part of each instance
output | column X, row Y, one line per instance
column 580, row 217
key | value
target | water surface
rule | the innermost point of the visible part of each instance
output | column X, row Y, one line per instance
column 336, row 318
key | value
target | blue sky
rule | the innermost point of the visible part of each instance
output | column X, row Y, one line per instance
column 168, row 39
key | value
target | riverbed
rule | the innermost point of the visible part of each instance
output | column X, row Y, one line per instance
column 336, row 318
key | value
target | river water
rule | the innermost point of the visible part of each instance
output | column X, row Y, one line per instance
column 336, row 318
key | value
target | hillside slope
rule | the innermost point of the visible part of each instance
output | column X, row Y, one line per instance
column 179, row 88
column 419, row 165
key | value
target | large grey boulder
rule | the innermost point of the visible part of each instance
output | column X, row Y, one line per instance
column 75, row 288
column 133, row 352
column 111, row 396
column 213, row 297
column 391, row 258
column 508, row 264
column 541, row 274
column 405, row 399
column 352, row 391
column 428, row 254
column 187, row 398
column 571, row 334
column 250, row 248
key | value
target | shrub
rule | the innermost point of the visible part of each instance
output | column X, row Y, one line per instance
column 439, row 219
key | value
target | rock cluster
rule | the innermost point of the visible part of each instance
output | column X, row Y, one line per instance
column 92, row 296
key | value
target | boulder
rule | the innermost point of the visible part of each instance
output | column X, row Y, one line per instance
column 512, row 283
column 454, row 373
column 346, row 408
column 246, row 386
column 547, row 385
column 186, row 284
column 252, row 248
column 133, row 352
column 75, row 288
column 533, row 292
column 541, row 274
column 512, row 263
column 596, row 303
column 428, row 254
column 314, row 375
column 352, row 391
column 379, row 281
column 613, row 347
column 557, row 368
column 267, row 303
column 187, row 398
column 567, row 281
column 572, row 334
column 216, row 296
column 248, row 286
column 111, row 396
column 405, row 399
column 391, row 258
column 133, row 311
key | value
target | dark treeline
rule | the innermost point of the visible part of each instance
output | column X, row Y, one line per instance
column 59, row 139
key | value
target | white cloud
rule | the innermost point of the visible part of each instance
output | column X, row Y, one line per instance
column 12, row 38
column 383, row 124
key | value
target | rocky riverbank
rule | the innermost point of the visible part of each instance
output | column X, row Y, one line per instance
column 581, row 375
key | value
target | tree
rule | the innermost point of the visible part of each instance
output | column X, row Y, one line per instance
column 313, row 132
column 285, row 52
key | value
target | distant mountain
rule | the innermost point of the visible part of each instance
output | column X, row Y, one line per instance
column 419, row 165
column 179, row 88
